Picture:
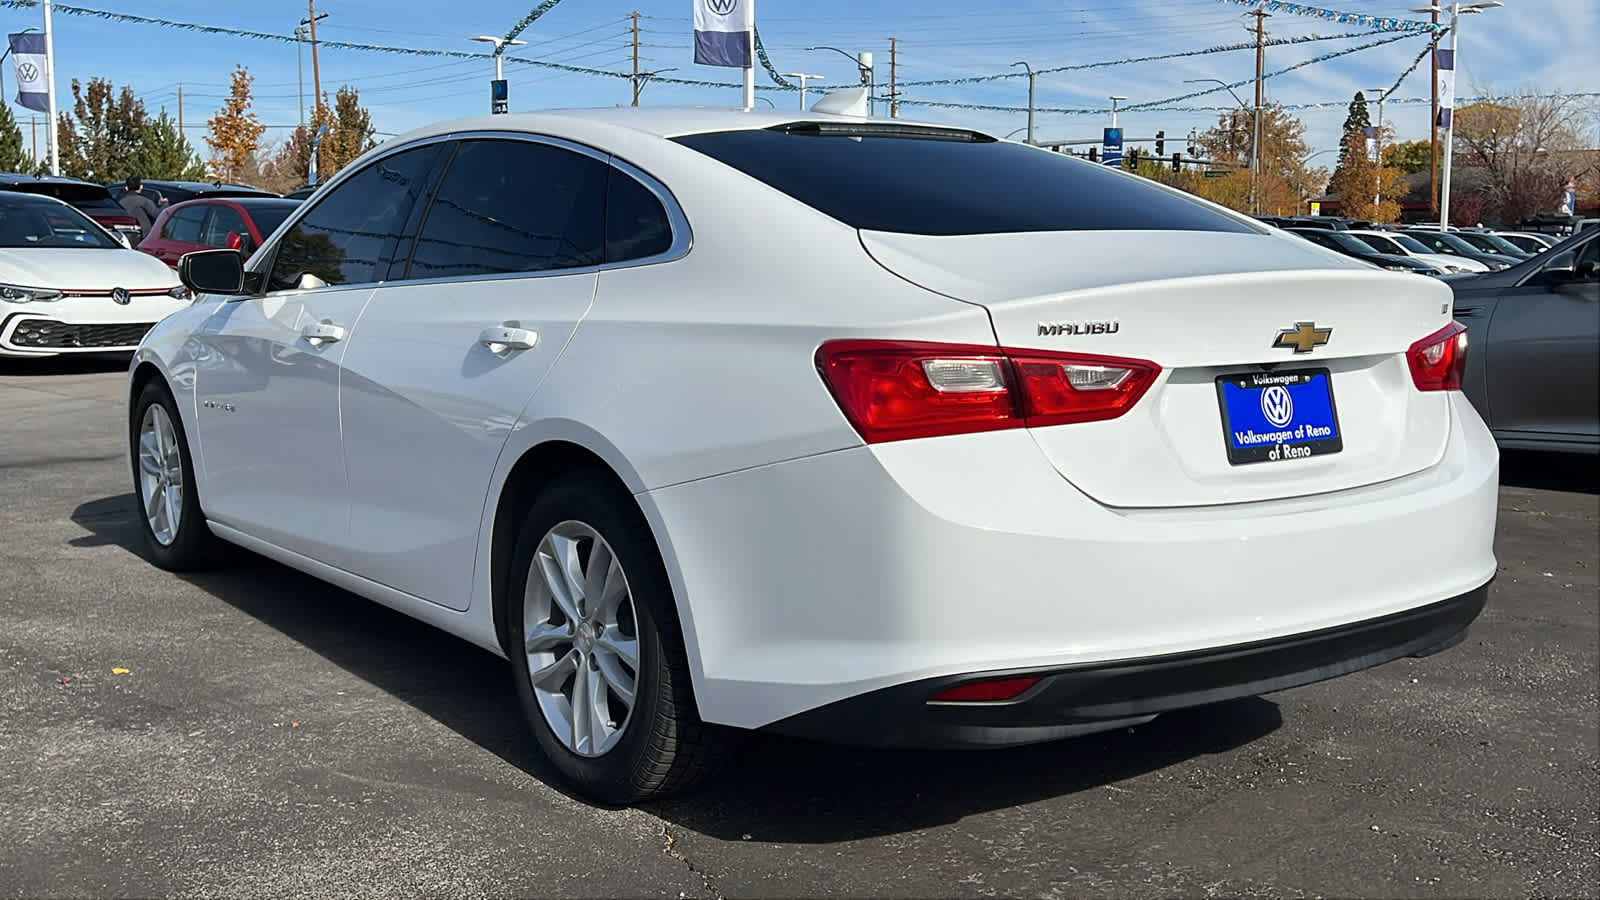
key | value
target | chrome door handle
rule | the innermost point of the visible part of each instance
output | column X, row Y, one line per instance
column 324, row 332
column 502, row 339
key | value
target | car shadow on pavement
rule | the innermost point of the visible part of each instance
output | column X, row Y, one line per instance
column 776, row 789
column 1550, row 471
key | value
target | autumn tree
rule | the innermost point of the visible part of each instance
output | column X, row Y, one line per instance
column 1527, row 147
column 1365, row 189
column 12, row 157
column 1283, row 182
column 1409, row 156
column 235, row 130
column 166, row 154
column 350, row 134
column 104, row 132
column 1356, row 122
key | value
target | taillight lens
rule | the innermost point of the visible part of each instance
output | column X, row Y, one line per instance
column 1439, row 360
column 893, row 390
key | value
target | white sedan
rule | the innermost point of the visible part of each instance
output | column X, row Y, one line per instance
column 713, row 421
column 68, row 286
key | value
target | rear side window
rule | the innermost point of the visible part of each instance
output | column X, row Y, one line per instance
column 513, row 206
column 636, row 223
column 949, row 182
column 224, row 220
column 184, row 225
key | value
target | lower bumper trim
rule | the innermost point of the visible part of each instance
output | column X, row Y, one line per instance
column 1092, row 697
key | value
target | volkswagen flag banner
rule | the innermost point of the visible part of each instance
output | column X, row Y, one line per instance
column 27, row 50
column 1447, row 86
column 722, row 32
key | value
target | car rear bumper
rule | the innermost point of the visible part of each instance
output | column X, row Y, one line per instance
column 1094, row 697
column 812, row 581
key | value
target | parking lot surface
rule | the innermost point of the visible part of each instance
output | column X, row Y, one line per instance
column 253, row 732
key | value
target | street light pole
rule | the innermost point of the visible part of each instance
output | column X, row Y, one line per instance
column 1255, row 134
column 1377, row 176
column 644, row 79
column 1030, row 97
column 804, row 77
column 863, row 61
column 499, row 51
column 1456, row 11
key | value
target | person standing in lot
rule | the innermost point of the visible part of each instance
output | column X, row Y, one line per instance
column 139, row 205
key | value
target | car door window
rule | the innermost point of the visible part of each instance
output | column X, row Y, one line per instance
column 224, row 220
column 350, row 232
column 185, row 225
column 513, row 206
column 1587, row 267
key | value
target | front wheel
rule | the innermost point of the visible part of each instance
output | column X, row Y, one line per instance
column 171, row 524
column 596, row 649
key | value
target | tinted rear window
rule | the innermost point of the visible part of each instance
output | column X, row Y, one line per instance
column 950, row 184
column 269, row 217
column 79, row 195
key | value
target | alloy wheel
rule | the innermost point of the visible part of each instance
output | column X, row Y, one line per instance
column 160, row 474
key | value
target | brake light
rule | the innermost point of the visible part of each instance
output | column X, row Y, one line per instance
column 1439, row 360
column 896, row 390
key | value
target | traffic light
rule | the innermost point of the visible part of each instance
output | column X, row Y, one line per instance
column 1094, row 154
column 1192, row 154
column 1161, row 143
column 1175, row 166
column 1133, row 158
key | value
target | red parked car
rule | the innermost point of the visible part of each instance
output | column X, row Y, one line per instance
column 239, row 223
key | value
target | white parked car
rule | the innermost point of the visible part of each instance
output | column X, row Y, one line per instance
column 67, row 285
column 1406, row 245
column 713, row 420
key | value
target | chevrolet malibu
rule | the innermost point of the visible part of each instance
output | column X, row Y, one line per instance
column 716, row 421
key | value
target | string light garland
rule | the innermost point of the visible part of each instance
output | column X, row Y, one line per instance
column 1382, row 23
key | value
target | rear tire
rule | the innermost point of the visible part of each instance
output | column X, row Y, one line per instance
column 590, row 602
column 171, row 525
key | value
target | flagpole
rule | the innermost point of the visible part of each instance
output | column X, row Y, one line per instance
column 750, row 70
column 54, row 131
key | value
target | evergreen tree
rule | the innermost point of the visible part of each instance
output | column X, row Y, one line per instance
column 1355, row 122
column 166, row 154
column 12, row 157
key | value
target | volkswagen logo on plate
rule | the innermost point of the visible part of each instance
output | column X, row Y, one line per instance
column 120, row 296
column 1277, row 405
column 722, row 7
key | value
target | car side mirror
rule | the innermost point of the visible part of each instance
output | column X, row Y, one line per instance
column 1562, row 267
column 212, row 271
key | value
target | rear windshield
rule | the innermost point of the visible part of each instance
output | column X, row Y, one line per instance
column 79, row 195
column 269, row 217
column 949, row 182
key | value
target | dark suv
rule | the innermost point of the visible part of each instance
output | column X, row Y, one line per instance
column 169, row 192
column 87, row 197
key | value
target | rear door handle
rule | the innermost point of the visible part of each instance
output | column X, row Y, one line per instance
column 503, row 339
column 324, row 332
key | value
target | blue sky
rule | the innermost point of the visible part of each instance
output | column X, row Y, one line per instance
column 1539, row 44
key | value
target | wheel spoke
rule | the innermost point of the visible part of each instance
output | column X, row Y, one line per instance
column 621, row 646
column 150, row 459
column 599, row 710
column 595, row 576
column 543, row 636
column 612, row 591
column 582, row 709
column 160, row 521
column 551, row 676
column 617, row 680
column 553, row 572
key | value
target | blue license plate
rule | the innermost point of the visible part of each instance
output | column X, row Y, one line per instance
column 1275, row 416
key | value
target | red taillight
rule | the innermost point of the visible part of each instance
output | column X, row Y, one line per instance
column 895, row 390
column 987, row 691
column 1439, row 360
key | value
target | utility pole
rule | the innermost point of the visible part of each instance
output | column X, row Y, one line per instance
column 894, row 91
column 1255, row 144
column 1377, row 143
column 300, row 68
column 316, row 71
column 35, row 120
column 1433, row 120
column 635, row 17
column 180, row 109
column 1029, row 69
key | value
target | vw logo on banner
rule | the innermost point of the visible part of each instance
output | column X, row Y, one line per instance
column 28, row 71
column 1277, row 405
column 722, row 7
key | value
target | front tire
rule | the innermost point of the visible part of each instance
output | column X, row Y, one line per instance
column 596, row 649
column 174, row 531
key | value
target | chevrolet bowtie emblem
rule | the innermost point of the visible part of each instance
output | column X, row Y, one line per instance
column 1302, row 337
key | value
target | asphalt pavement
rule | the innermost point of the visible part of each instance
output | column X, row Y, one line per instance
column 253, row 732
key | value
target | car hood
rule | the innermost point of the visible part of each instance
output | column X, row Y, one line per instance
column 82, row 269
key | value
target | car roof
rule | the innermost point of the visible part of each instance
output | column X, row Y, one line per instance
column 24, row 178
column 656, row 121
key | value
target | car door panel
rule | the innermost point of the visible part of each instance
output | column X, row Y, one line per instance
column 443, row 362
column 1543, row 362
column 267, row 386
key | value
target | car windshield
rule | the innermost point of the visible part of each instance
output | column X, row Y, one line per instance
column 269, row 217
column 1409, row 242
column 949, row 181
column 79, row 195
column 36, row 222
column 1449, row 243
column 1339, row 239
column 1502, row 245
